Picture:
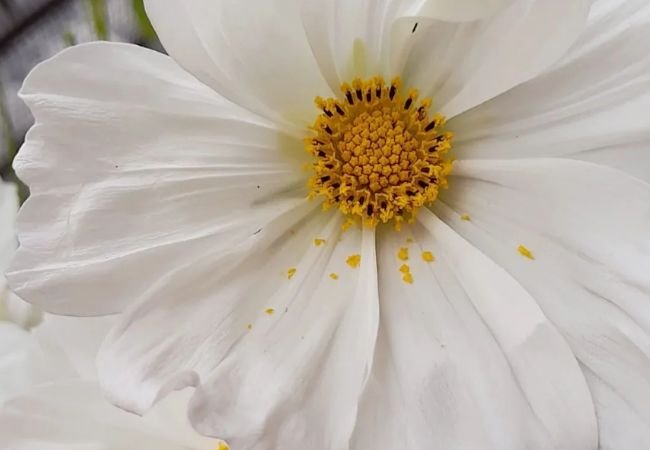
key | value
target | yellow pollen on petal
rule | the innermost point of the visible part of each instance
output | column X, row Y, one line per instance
column 403, row 254
column 334, row 276
column 223, row 446
column 380, row 152
column 404, row 268
column 409, row 240
column 249, row 326
column 353, row 261
column 465, row 217
column 525, row 252
column 269, row 311
column 318, row 242
column 407, row 278
column 291, row 272
column 428, row 256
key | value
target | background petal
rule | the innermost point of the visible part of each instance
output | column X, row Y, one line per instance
column 132, row 179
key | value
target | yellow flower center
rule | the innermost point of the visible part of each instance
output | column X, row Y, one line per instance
column 379, row 155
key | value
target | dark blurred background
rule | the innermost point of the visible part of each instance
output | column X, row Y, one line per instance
column 33, row 30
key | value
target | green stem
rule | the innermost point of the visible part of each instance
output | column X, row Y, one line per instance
column 99, row 18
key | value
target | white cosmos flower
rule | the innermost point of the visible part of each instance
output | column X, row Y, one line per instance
column 512, row 313
column 12, row 308
column 52, row 401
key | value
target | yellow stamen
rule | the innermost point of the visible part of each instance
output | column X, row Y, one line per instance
column 465, row 217
column 379, row 155
column 403, row 254
column 428, row 256
column 269, row 311
column 223, row 446
column 318, row 242
column 353, row 261
column 334, row 276
column 291, row 272
column 525, row 252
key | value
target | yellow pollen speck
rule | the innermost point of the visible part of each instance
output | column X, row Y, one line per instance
column 249, row 326
column 407, row 278
column 465, row 217
column 269, row 311
column 403, row 254
column 353, row 261
column 223, row 446
column 334, row 276
column 318, row 242
column 291, row 272
column 525, row 252
column 428, row 256
column 409, row 240
column 404, row 268
column 380, row 155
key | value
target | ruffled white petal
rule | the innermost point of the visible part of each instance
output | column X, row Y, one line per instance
column 135, row 168
column 75, row 415
column 463, row 65
column 254, row 53
column 466, row 359
column 271, row 356
column 587, row 228
column 592, row 105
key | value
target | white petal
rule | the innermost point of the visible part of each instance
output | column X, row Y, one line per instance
column 592, row 105
column 459, row 10
column 263, row 379
column 77, row 340
column 587, row 228
column 135, row 168
column 75, row 415
column 463, row 65
column 8, row 209
column 465, row 359
column 25, row 363
column 256, row 55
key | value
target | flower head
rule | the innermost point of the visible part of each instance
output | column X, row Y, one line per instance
column 514, row 318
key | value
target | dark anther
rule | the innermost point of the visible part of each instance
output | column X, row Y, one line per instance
column 393, row 91
column 384, row 205
column 329, row 166
column 410, row 193
column 421, row 113
column 439, row 138
column 328, row 112
column 321, row 153
column 359, row 94
column 423, row 184
column 431, row 126
column 325, row 179
column 368, row 95
column 328, row 129
column 370, row 209
column 350, row 198
column 337, row 199
column 425, row 170
column 433, row 149
column 339, row 110
column 378, row 92
column 409, row 102
column 336, row 185
column 415, row 27
column 362, row 200
column 348, row 95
